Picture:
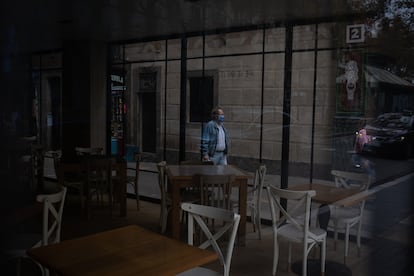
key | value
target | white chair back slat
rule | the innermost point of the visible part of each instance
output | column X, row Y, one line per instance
column 231, row 221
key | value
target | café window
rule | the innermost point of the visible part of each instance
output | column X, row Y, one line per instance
column 201, row 98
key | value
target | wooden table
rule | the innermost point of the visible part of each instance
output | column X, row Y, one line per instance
column 130, row 250
column 327, row 194
column 181, row 176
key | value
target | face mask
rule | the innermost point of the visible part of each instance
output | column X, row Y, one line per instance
column 220, row 118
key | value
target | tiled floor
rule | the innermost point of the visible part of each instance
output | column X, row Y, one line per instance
column 388, row 254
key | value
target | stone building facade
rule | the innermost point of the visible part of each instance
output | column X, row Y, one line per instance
column 248, row 69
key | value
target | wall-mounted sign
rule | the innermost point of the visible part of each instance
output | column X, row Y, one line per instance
column 355, row 33
column 349, row 83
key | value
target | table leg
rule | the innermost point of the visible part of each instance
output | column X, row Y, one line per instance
column 324, row 214
column 175, row 211
column 122, row 191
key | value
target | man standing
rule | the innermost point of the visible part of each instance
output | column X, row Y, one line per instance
column 214, row 143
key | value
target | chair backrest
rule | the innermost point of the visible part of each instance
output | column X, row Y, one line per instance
column 137, row 159
column 347, row 180
column 52, row 216
column 231, row 223
column 99, row 171
column 215, row 190
column 88, row 151
column 259, row 177
column 296, row 211
column 56, row 155
column 162, row 179
column 37, row 160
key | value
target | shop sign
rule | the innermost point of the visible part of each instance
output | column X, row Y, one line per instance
column 355, row 33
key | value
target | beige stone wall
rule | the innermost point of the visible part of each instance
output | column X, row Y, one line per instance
column 240, row 90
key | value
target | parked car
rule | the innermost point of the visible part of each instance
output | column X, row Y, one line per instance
column 389, row 135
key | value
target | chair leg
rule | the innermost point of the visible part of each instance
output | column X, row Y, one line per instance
column 258, row 221
column 346, row 242
column 275, row 254
column 335, row 233
column 253, row 217
column 137, row 195
column 359, row 238
column 82, row 199
column 323, row 257
column 163, row 220
column 304, row 264
column 289, row 257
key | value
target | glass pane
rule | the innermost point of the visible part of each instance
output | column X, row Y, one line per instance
column 195, row 47
column 53, row 60
column 173, row 110
column 154, row 50
column 50, row 117
column 174, row 49
column 36, row 62
column 304, row 37
column 301, row 114
column 117, row 53
column 273, row 107
column 275, row 39
column 234, row 43
column 240, row 96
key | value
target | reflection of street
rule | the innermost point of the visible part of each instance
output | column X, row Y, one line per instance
column 365, row 164
column 382, row 169
column 392, row 228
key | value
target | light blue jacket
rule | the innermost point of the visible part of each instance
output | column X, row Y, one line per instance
column 209, row 138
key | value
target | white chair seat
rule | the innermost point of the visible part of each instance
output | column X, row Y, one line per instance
column 345, row 214
column 200, row 271
column 292, row 233
column 16, row 245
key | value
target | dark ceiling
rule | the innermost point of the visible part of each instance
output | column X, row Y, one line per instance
column 42, row 25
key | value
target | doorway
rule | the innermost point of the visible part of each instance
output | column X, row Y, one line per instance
column 147, row 100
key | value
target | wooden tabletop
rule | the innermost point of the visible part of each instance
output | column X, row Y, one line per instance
column 186, row 172
column 143, row 166
column 130, row 250
column 326, row 194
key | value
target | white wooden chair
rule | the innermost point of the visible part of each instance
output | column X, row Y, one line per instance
column 166, row 201
column 165, row 197
column 292, row 224
column 254, row 200
column 51, row 228
column 99, row 180
column 345, row 218
column 215, row 190
column 133, row 177
column 231, row 223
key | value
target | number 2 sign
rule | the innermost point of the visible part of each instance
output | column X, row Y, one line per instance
column 355, row 33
